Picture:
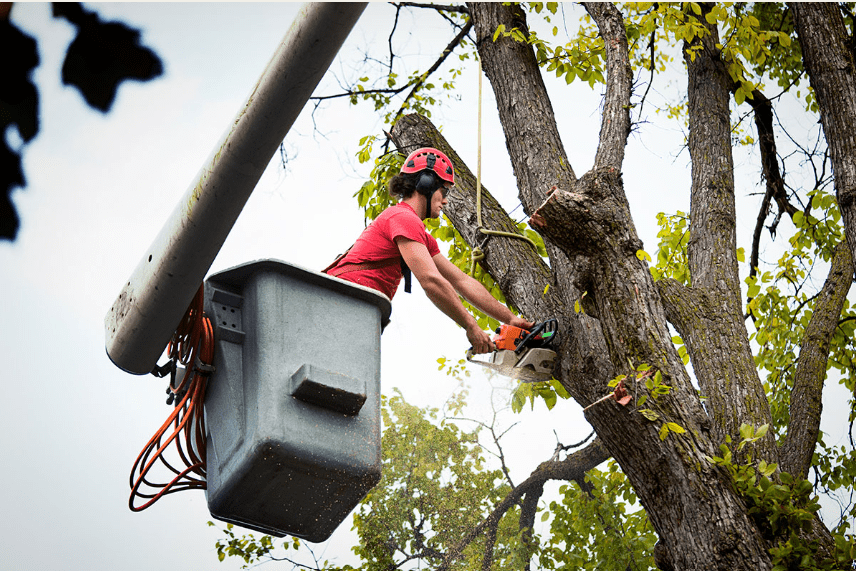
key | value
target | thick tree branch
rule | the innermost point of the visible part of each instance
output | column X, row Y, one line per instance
column 540, row 162
column 719, row 343
column 490, row 542
column 529, row 124
column 763, row 111
column 806, row 404
column 830, row 64
column 615, row 121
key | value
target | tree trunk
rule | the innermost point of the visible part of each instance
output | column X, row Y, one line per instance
column 691, row 504
column 830, row 65
column 678, row 481
column 716, row 336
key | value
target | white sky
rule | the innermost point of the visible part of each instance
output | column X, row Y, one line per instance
column 101, row 186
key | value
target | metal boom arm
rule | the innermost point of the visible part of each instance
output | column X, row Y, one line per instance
column 151, row 304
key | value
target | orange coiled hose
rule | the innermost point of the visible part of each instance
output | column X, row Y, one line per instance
column 192, row 345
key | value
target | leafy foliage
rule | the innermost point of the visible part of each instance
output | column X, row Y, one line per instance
column 435, row 488
column 782, row 508
column 247, row 547
column 548, row 391
column 785, row 306
column 599, row 526
column 373, row 196
column 672, row 260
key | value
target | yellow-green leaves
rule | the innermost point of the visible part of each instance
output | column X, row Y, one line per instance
column 649, row 414
column 670, row 427
column 373, row 196
column 578, row 304
column 749, row 434
column 549, row 391
column 601, row 527
column 782, row 305
column 582, row 58
column 672, row 259
column 456, row 369
column 682, row 349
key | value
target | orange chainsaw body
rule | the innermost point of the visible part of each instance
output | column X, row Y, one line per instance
column 508, row 337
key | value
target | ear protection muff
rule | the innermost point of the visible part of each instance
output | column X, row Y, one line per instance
column 426, row 184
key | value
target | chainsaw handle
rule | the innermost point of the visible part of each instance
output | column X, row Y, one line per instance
column 539, row 327
column 471, row 357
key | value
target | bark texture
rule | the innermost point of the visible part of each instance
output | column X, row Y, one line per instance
column 540, row 162
column 711, row 324
column 806, row 405
column 829, row 62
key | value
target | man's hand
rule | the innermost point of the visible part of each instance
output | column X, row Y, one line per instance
column 521, row 323
column 479, row 340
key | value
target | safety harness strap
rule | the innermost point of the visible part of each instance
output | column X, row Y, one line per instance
column 373, row 265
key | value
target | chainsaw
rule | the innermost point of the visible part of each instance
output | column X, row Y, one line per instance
column 523, row 355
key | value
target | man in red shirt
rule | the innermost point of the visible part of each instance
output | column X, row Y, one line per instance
column 396, row 243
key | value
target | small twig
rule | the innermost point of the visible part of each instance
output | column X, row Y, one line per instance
column 651, row 44
column 422, row 78
column 437, row 7
column 391, row 33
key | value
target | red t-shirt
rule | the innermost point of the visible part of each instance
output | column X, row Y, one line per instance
column 377, row 242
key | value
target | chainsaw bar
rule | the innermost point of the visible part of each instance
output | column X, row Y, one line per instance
column 525, row 375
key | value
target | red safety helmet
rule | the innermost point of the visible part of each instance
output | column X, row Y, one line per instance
column 430, row 159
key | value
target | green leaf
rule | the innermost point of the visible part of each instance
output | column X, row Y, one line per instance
column 560, row 390
column 649, row 414
column 549, row 399
column 799, row 219
column 676, row 428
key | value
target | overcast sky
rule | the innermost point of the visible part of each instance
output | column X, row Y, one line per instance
column 99, row 188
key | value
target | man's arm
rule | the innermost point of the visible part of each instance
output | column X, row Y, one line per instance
column 475, row 293
column 441, row 293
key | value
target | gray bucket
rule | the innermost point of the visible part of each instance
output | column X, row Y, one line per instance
column 293, row 407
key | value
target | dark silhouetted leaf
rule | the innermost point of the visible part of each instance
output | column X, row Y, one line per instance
column 103, row 55
column 19, row 106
